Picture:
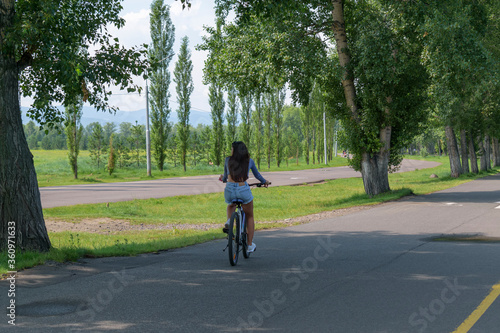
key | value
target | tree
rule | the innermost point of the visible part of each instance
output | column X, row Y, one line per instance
column 268, row 126
column 257, row 116
column 195, row 144
column 74, row 131
column 32, row 133
column 112, row 156
column 246, row 119
column 121, row 146
column 108, row 130
column 206, row 138
column 460, row 67
column 172, row 147
column 375, row 81
column 160, row 54
column 138, row 141
column 306, row 122
column 44, row 52
column 293, row 130
column 231, row 117
column 278, row 104
column 96, row 143
column 217, row 105
column 183, row 78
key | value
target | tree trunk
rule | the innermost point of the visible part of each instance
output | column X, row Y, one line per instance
column 487, row 151
column 496, row 152
column 454, row 156
column 482, row 155
column 375, row 167
column 20, row 205
column 473, row 156
column 340, row 35
column 463, row 149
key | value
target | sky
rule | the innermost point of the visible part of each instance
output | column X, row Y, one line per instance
column 187, row 22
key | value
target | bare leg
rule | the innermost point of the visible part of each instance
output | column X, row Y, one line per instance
column 248, row 208
column 230, row 210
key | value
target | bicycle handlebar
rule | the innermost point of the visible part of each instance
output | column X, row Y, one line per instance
column 259, row 184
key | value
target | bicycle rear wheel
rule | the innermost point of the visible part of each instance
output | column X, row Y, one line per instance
column 244, row 241
column 233, row 239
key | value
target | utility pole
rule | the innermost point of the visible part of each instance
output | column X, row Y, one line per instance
column 324, row 131
column 336, row 138
column 148, row 141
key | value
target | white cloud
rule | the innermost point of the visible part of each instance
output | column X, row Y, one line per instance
column 136, row 30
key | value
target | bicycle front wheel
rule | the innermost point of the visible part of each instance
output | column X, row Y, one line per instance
column 233, row 239
column 244, row 240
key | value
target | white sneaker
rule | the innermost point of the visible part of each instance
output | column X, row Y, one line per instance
column 252, row 247
column 226, row 227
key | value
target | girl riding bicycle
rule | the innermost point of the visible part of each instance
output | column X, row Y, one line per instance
column 236, row 170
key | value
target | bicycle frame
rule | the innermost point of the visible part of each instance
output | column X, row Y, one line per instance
column 242, row 221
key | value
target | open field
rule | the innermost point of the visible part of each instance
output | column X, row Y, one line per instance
column 183, row 220
column 53, row 169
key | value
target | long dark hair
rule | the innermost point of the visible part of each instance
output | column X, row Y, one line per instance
column 238, row 162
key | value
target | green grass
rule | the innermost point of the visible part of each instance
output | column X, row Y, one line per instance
column 271, row 204
column 52, row 168
column 68, row 246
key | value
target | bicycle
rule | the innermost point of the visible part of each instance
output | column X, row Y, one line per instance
column 237, row 232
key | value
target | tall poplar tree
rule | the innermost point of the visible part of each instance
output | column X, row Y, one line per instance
column 268, row 126
column 160, row 55
column 246, row 119
column 74, row 130
column 217, row 105
column 279, row 103
column 231, row 117
column 257, row 116
column 183, row 78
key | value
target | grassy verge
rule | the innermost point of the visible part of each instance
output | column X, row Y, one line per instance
column 53, row 169
column 272, row 204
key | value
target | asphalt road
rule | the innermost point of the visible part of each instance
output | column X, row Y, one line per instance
column 375, row 270
column 112, row 192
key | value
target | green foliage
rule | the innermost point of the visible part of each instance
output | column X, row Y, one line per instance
column 183, row 78
column 51, row 41
column 246, row 120
column 160, row 54
column 232, row 118
column 257, row 118
column 217, row 105
column 74, row 130
column 96, row 143
column 138, row 141
column 112, row 156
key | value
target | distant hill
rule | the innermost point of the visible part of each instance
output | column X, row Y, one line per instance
column 90, row 115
